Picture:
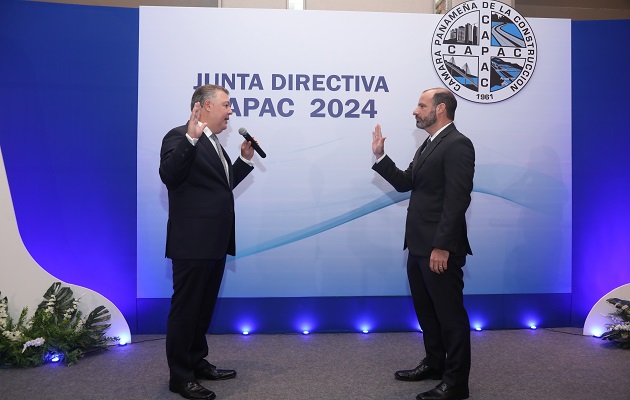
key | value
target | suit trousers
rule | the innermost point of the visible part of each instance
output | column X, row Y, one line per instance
column 439, row 303
column 196, row 285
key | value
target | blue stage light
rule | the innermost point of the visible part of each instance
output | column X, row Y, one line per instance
column 122, row 342
column 597, row 332
column 478, row 322
column 531, row 322
column 52, row 357
column 365, row 331
column 245, row 326
column 305, row 327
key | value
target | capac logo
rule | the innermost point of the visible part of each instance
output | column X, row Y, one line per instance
column 484, row 51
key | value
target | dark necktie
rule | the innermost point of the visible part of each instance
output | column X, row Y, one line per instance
column 426, row 144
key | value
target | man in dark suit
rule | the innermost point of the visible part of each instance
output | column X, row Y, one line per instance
column 440, row 179
column 200, row 233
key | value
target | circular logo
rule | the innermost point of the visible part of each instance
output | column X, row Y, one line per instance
column 484, row 51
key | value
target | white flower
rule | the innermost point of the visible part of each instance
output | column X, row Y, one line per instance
column 51, row 301
column 35, row 342
column 3, row 313
column 624, row 326
column 13, row 335
column 3, row 309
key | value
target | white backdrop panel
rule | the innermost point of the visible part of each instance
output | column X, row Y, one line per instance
column 313, row 219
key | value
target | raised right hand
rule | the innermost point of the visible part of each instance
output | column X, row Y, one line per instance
column 378, row 142
column 194, row 129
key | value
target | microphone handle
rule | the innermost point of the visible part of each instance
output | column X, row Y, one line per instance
column 255, row 145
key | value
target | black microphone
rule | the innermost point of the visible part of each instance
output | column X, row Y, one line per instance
column 243, row 132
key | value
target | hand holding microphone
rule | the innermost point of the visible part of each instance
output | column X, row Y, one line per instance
column 243, row 132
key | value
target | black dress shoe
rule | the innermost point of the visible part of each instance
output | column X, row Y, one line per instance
column 444, row 391
column 191, row 390
column 421, row 372
column 214, row 374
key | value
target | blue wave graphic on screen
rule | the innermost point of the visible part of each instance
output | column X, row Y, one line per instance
column 374, row 205
column 524, row 186
column 519, row 185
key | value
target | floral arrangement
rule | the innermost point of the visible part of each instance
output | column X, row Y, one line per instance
column 56, row 332
column 619, row 330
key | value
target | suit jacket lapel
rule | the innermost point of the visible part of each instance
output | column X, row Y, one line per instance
column 431, row 146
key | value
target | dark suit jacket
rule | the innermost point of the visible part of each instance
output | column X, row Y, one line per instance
column 440, row 180
column 200, row 199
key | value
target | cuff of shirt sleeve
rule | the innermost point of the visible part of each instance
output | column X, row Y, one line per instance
column 191, row 140
column 380, row 158
column 246, row 161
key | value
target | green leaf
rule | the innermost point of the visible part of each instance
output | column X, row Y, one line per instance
column 61, row 335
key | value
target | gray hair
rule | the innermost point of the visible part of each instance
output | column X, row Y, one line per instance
column 206, row 92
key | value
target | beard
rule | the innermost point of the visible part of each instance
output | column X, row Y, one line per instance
column 430, row 119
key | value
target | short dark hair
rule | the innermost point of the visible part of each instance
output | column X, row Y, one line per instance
column 448, row 98
column 206, row 92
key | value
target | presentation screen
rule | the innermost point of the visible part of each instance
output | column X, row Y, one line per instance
column 313, row 219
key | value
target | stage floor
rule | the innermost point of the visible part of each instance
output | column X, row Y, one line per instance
column 550, row 364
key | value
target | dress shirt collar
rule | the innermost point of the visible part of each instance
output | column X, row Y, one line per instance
column 431, row 138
